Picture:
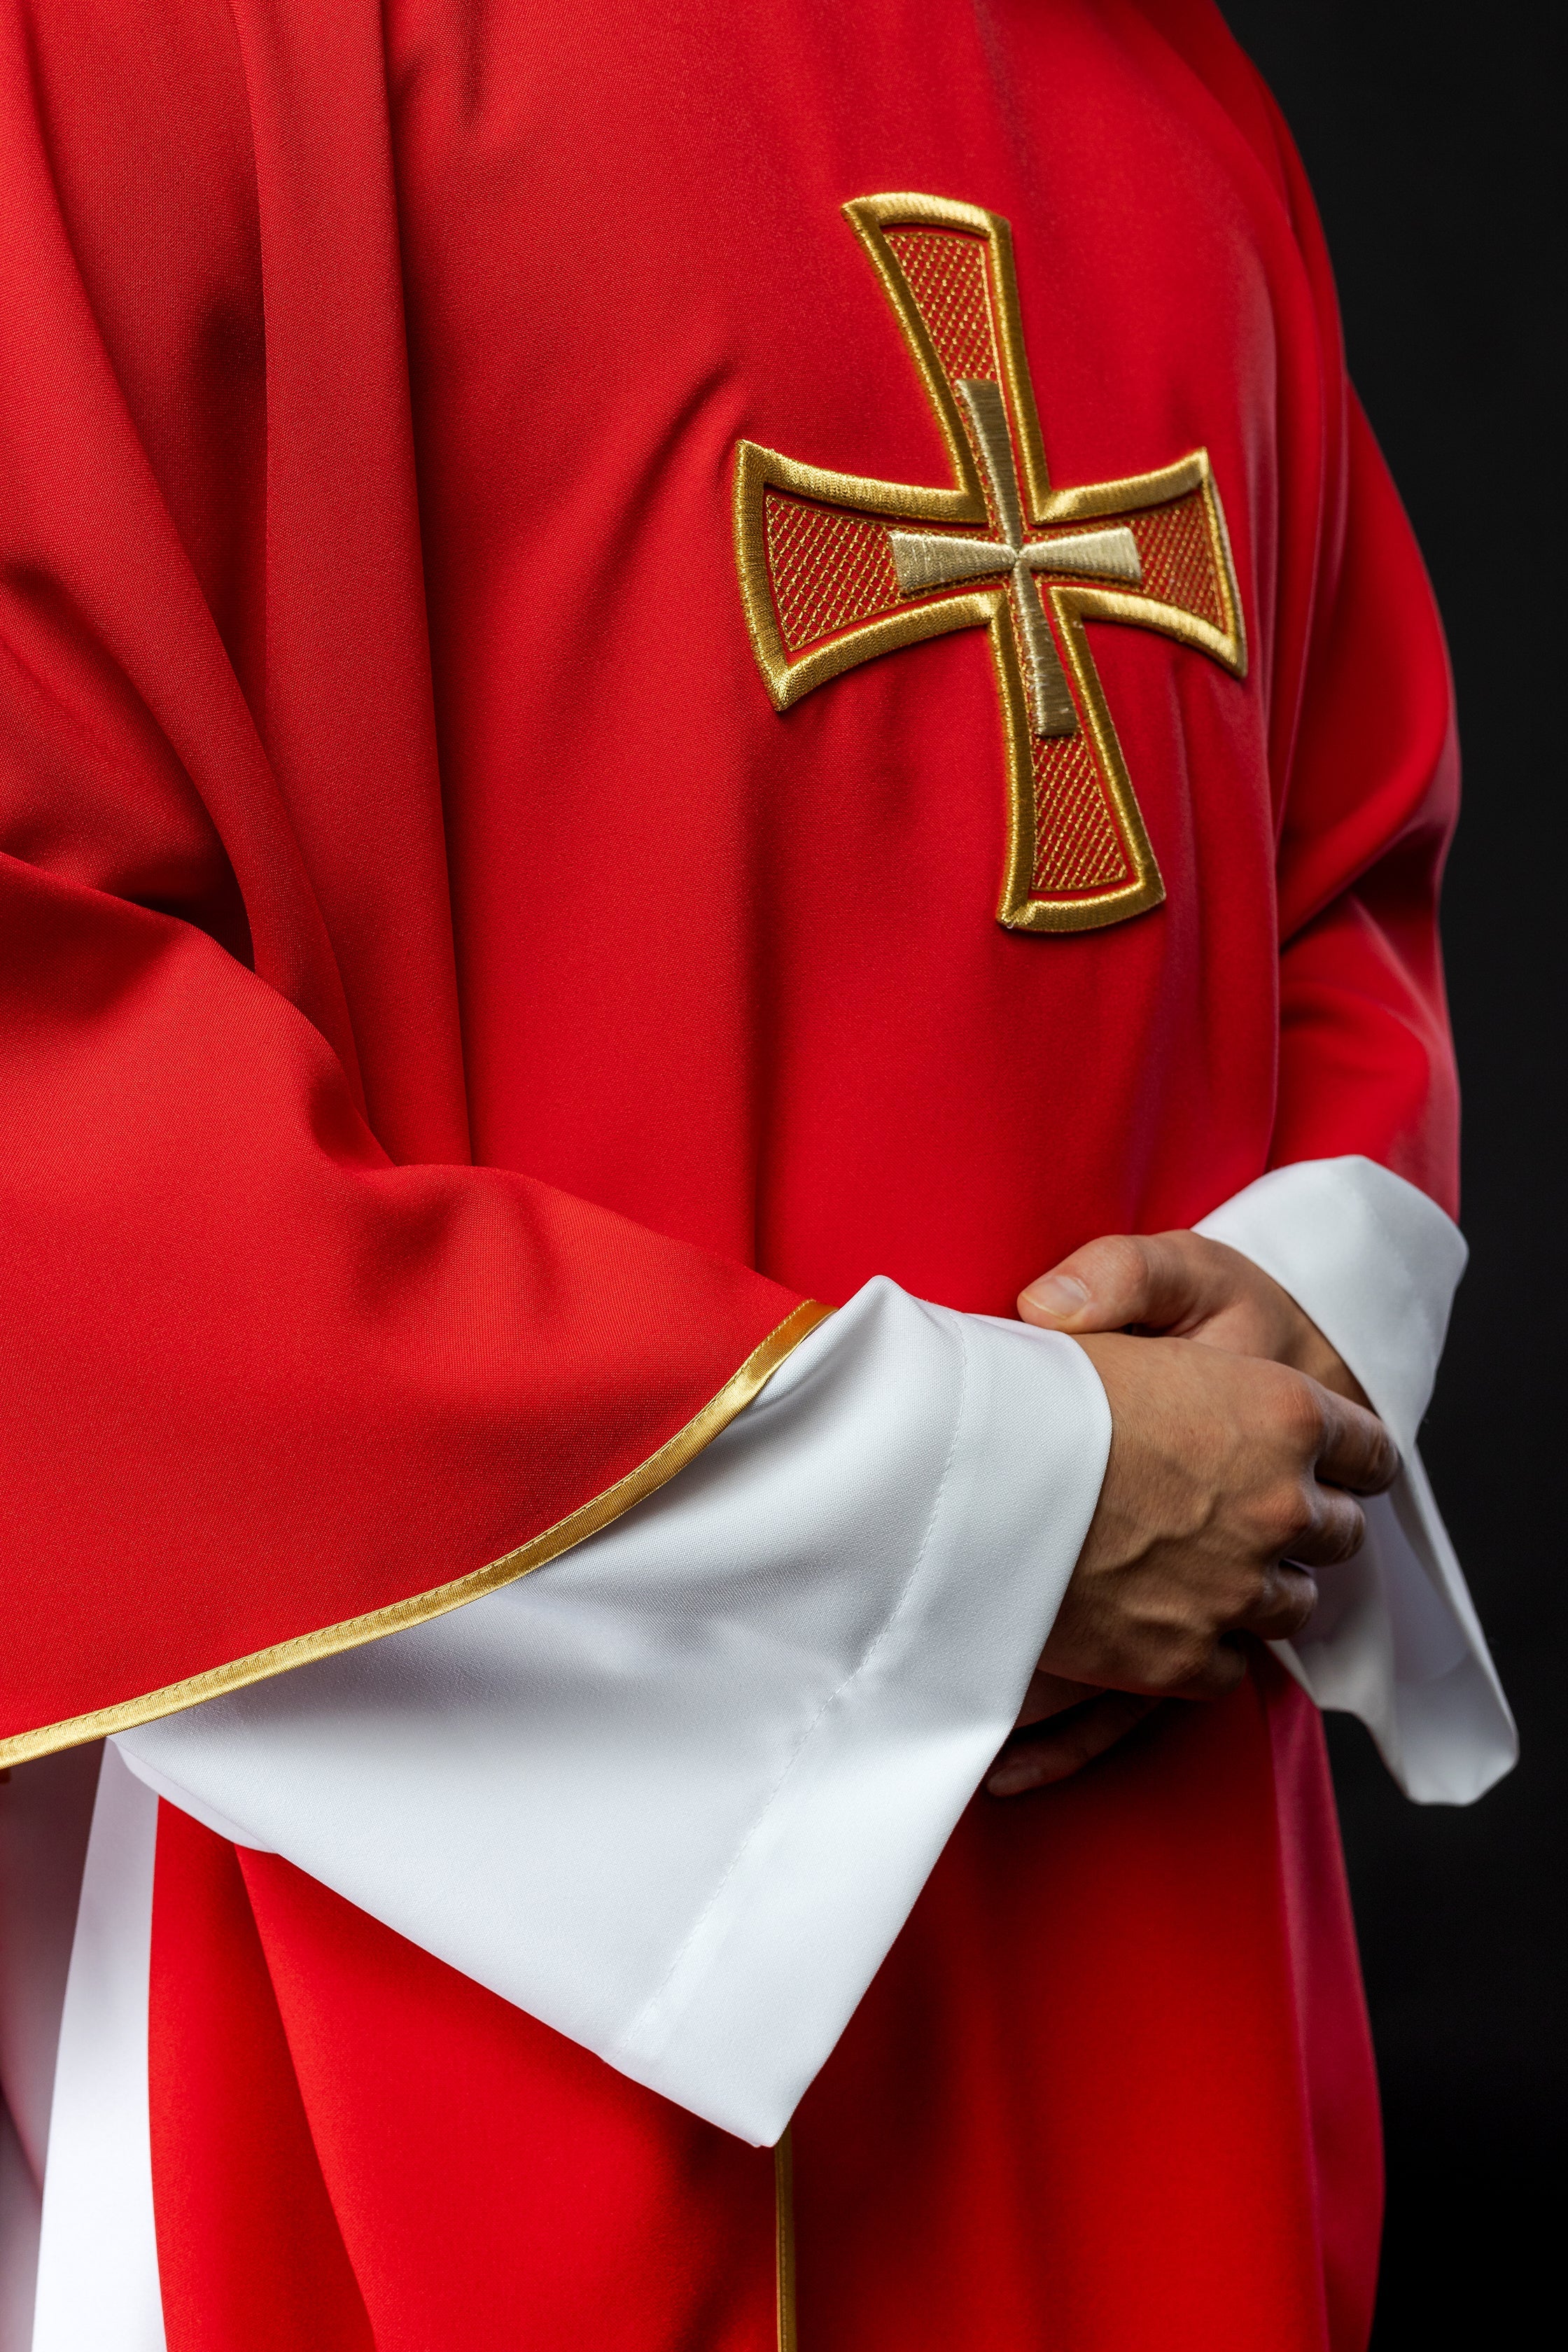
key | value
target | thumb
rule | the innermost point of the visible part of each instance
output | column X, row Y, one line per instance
column 1161, row 1279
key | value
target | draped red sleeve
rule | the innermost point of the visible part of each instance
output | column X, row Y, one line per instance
column 1366, row 1060
column 280, row 1370
column 1363, row 750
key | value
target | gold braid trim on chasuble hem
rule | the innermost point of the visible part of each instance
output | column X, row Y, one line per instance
column 587, row 1521
column 832, row 573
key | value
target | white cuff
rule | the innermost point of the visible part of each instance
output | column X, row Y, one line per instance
column 1394, row 1639
column 675, row 1794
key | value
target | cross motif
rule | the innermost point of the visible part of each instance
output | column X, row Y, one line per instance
column 836, row 568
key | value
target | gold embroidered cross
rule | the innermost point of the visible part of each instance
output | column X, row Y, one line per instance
column 836, row 568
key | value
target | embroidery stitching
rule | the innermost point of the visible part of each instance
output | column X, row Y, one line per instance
column 836, row 569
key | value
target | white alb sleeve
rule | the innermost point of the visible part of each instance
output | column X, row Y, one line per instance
column 1394, row 1638
column 675, row 1794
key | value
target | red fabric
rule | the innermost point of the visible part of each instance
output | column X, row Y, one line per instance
column 424, row 2166
column 239, row 2184
column 1344, row 2130
column 1090, row 2050
column 386, row 775
column 1112, row 2087
column 274, row 1355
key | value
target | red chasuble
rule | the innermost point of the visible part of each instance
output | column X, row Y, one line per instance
column 655, row 660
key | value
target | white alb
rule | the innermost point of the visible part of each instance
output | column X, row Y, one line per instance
column 675, row 1794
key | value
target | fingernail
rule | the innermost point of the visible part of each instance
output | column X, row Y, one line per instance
column 1058, row 1293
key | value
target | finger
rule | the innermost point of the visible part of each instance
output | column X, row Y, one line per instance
column 1288, row 1599
column 1356, row 1449
column 1337, row 1531
column 1225, row 1667
column 1045, row 1756
column 1050, row 1695
column 1122, row 1278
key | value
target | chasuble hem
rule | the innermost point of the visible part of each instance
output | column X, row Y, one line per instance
column 599, row 1511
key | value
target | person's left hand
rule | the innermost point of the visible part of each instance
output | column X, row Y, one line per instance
column 1188, row 1287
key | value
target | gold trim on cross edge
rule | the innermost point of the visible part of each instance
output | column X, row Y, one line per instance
column 788, row 679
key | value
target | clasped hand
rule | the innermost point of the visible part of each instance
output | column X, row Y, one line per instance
column 1239, row 1442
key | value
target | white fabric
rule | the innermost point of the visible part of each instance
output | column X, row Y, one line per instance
column 98, row 2258
column 1394, row 1639
column 46, row 1811
column 21, row 2204
column 675, row 1793
column 799, row 1657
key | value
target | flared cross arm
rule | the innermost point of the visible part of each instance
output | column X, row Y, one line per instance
column 838, row 568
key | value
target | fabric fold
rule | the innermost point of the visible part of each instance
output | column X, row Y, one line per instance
column 99, row 2156
column 687, row 1782
column 1394, row 1639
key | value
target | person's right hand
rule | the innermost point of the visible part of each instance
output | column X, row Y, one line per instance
column 1229, row 1478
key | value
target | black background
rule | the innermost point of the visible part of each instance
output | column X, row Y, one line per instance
column 1432, row 135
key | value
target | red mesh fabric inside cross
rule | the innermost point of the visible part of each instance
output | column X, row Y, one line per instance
column 1176, row 551
column 1078, row 843
column 945, row 270
column 829, row 569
